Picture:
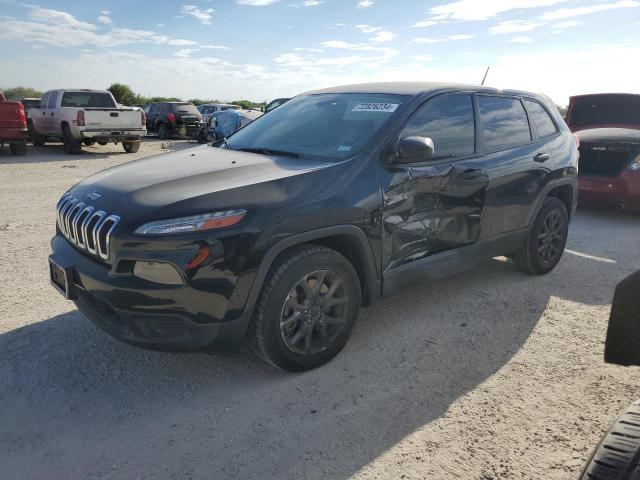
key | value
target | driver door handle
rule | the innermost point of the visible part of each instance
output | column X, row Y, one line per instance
column 541, row 157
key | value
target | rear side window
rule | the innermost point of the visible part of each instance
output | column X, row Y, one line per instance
column 448, row 121
column 504, row 123
column 53, row 99
column 541, row 119
column 44, row 100
column 87, row 99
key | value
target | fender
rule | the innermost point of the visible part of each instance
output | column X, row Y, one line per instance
column 555, row 183
column 371, row 281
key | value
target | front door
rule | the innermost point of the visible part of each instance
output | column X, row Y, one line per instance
column 436, row 204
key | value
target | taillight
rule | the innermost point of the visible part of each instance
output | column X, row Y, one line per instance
column 171, row 117
column 22, row 115
column 143, row 118
column 80, row 118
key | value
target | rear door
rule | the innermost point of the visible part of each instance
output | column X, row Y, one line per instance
column 52, row 117
column 436, row 204
column 518, row 165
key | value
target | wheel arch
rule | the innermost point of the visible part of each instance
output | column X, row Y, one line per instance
column 347, row 240
column 565, row 189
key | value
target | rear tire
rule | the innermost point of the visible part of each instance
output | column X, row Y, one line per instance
column 306, row 311
column 618, row 455
column 18, row 148
column 71, row 145
column 545, row 242
column 131, row 147
column 163, row 133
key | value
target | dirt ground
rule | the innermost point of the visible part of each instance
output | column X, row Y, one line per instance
column 490, row 374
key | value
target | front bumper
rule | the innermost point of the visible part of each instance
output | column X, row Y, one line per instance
column 622, row 191
column 147, row 314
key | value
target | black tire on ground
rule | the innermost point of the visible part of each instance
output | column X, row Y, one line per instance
column 88, row 143
column 71, row 145
column 546, row 239
column 103, row 143
column 37, row 139
column 18, row 148
column 163, row 133
column 131, row 147
column 617, row 457
column 311, row 293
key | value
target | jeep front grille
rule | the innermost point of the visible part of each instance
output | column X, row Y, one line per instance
column 85, row 227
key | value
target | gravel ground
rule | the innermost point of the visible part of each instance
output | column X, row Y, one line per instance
column 485, row 375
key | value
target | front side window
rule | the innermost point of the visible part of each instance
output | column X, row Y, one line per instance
column 448, row 121
column 87, row 99
column 504, row 123
column 541, row 119
column 329, row 126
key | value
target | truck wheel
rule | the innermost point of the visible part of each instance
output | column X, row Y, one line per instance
column 18, row 148
column 163, row 133
column 102, row 142
column 37, row 139
column 618, row 455
column 71, row 145
column 89, row 143
column 546, row 239
column 131, row 147
column 307, row 308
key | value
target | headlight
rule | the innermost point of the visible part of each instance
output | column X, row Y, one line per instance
column 195, row 223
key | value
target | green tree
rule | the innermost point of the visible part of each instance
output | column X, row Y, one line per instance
column 123, row 93
column 22, row 92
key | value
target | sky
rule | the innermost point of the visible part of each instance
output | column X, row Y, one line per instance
column 265, row 49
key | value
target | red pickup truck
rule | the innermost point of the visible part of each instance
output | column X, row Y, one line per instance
column 13, row 126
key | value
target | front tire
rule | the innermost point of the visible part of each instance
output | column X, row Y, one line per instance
column 37, row 139
column 546, row 240
column 131, row 147
column 18, row 148
column 71, row 145
column 89, row 143
column 306, row 311
column 618, row 455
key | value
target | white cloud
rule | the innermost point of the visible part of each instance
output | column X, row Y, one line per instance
column 365, row 3
column 512, row 26
column 382, row 37
column 185, row 52
column 567, row 24
column 214, row 47
column 202, row 15
column 57, row 17
column 576, row 11
column 311, row 3
column 521, row 39
column 367, row 28
column 440, row 40
column 105, row 12
column 423, row 58
column 256, row 3
column 482, row 10
column 104, row 19
column 424, row 23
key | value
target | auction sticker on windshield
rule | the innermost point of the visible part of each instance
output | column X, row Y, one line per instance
column 376, row 107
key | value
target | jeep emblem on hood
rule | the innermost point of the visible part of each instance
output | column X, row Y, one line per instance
column 93, row 195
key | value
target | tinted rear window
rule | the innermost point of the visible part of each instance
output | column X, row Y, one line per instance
column 87, row 99
column 541, row 119
column 504, row 123
column 185, row 108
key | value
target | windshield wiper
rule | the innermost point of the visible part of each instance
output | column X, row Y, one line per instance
column 269, row 151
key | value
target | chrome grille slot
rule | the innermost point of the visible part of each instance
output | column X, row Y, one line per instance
column 85, row 227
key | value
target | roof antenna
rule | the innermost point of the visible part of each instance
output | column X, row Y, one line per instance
column 485, row 75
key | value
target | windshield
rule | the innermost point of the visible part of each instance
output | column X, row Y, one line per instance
column 325, row 126
column 87, row 99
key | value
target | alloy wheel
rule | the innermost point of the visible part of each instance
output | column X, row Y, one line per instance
column 551, row 238
column 314, row 312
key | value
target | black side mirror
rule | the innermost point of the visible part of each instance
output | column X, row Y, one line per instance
column 413, row 149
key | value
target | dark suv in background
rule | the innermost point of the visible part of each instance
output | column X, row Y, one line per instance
column 329, row 202
column 173, row 118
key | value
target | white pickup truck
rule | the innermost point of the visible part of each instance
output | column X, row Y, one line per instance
column 86, row 116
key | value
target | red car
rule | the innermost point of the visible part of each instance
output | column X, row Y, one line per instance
column 13, row 126
column 608, row 127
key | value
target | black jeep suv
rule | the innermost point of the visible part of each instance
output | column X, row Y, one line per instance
column 173, row 118
column 332, row 200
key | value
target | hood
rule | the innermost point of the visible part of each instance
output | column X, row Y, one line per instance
column 138, row 188
column 609, row 135
column 603, row 110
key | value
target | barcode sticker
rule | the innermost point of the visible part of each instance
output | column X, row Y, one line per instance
column 376, row 107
